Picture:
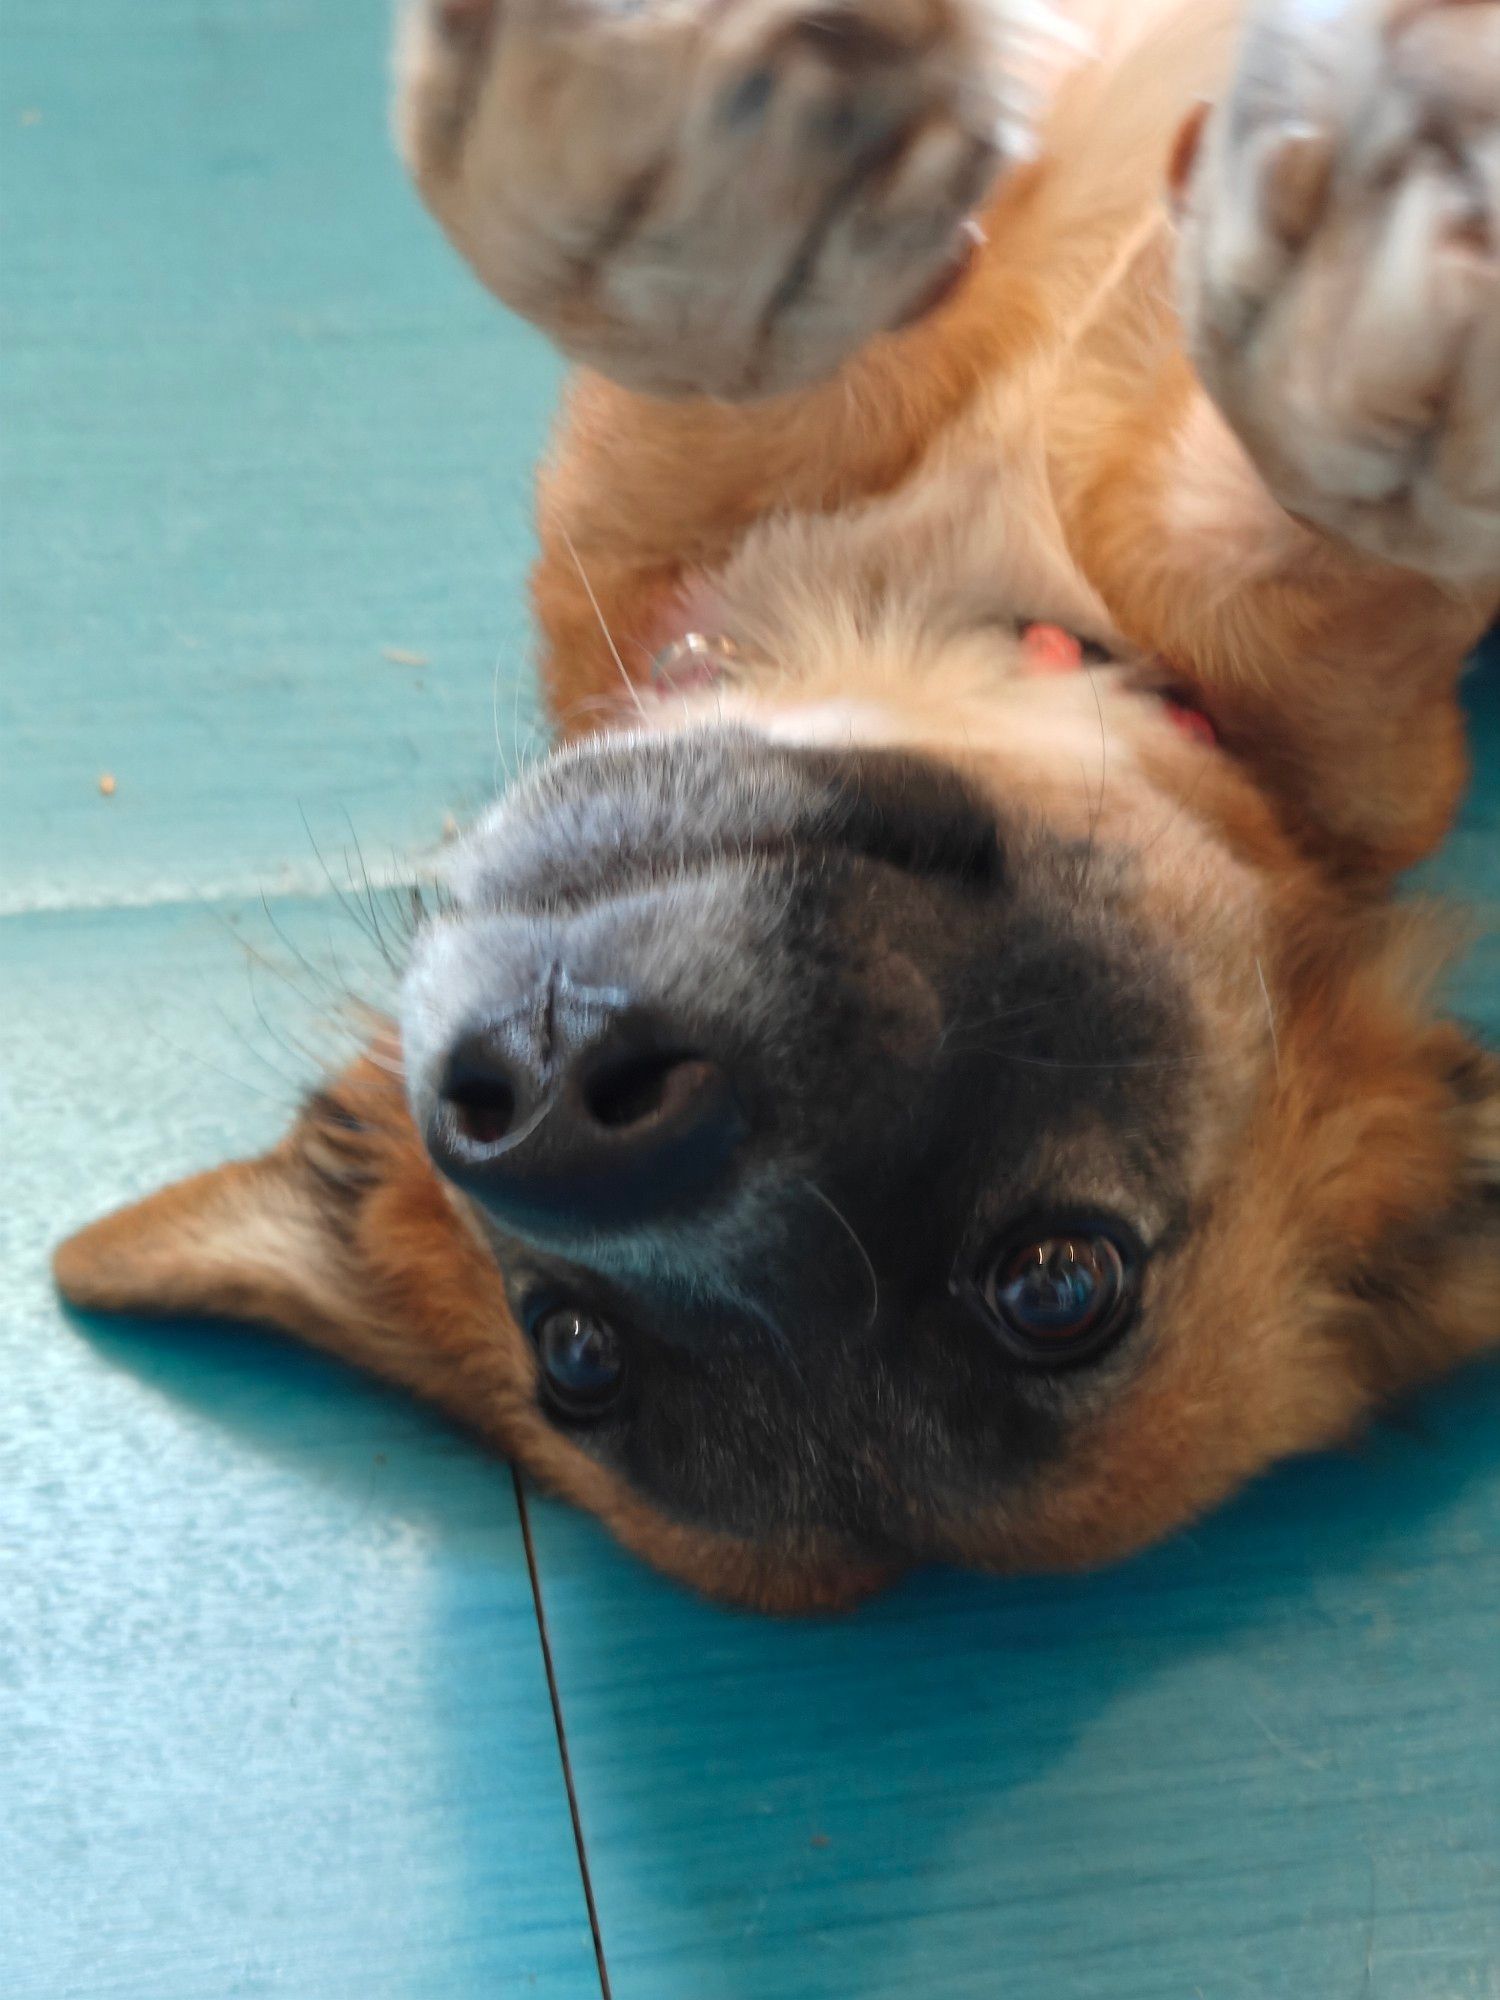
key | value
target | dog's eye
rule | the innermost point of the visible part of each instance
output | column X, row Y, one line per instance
column 1060, row 1296
column 582, row 1361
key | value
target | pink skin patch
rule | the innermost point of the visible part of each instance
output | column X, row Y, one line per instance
column 1051, row 649
column 1193, row 723
column 1048, row 649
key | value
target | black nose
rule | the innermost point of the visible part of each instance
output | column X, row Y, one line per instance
column 580, row 1112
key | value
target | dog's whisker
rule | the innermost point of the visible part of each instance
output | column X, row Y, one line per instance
column 985, row 1021
column 1103, row 1065
column 349, row 1000
column 326, row 994
column 853, row 1234
column 357, row 916
column 1097, row 811
column 379, row 1062
column 369, row 892
column 1260, row 973
column 780, row 1341
column 630, row 687
column 284, row 1098
column 339, row 990
column 502, row 758
column 285, row 1039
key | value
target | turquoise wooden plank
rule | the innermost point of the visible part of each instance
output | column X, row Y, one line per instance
column 273, row 1721
column 260, row 431
column 1263, row 1761
column 273, row 1710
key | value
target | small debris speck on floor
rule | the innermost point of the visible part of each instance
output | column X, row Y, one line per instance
column 399, row 656
column 107, row 784
column 31, row 117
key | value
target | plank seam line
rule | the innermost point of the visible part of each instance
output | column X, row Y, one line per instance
column 555, row 1697
column 293, row 883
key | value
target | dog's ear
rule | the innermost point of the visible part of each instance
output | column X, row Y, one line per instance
column 344, row 1236
column 1423, row 1292
column 341, row 1235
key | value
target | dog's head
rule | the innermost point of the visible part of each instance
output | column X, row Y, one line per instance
column 936, row 1127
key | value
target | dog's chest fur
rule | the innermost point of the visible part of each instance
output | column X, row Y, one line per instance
column 902, row 616
column 972, row 536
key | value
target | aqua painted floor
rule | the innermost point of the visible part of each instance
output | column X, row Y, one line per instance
column 274, row 1720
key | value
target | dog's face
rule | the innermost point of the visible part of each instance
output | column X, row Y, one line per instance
column 871, row 1109
column 931, row 1128
column 841, row 1125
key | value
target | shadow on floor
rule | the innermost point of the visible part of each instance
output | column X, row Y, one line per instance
column 871, row 1806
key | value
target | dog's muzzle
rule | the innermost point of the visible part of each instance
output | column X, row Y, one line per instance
column 581, row 1109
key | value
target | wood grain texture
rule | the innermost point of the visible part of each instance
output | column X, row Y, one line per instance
column 273, row 1720
column 260, row 432
column 1264, row 1762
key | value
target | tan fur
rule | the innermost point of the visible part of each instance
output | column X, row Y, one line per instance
column 1042, row 439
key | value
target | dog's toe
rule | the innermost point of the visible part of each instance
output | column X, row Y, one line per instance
column 705, row 199
column 1339, row 273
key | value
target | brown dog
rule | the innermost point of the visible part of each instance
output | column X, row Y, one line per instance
column 934, row 1071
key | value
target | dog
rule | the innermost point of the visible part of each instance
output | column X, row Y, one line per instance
column 931, row 1067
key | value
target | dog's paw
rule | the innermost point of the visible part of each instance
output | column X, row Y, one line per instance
column 725, row 196
column 1340, row 271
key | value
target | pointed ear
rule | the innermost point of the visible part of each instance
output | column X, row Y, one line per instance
column 345, row 1236
column 341, row 1235
column 1426, row 1296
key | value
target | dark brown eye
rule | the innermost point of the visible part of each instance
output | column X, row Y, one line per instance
column 1060, row 1296
column 582, row 1361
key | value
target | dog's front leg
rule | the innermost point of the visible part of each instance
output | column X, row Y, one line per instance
column 1340, row 272
column 1295, row 498
column 695, row 197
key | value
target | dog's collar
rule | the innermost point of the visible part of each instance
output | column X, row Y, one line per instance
column 700, row 659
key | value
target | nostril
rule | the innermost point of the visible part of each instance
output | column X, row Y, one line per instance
column 594, row 1123
column 484, row 1109
column 479, row 1092
column 635, row 1089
